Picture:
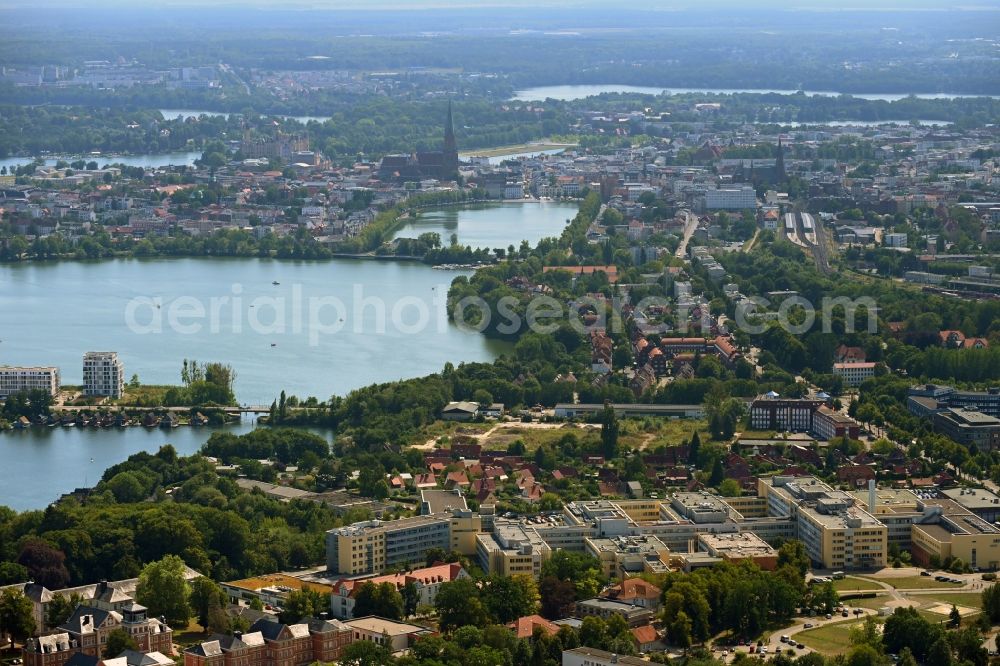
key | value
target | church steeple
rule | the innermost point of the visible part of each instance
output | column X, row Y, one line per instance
column 449, row 133
column 779, row 163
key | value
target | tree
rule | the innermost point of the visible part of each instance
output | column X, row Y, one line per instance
column 163, row 589
column 609, row 432
column 119, row 641
column 679, row 631
column 302, row 604
column 954, row 617
column 793, row 553
column 366, row 653
column 12, row 572
column 694, row 448
column 730, row 488
column 594, row 632
column 411, row 597
column 557, row 597
column 45, row 563
column 458, row 604
column 383, row 600
column 205, row 594
column 508, row 598
column 61, row 608
column 17, row 615
column 718, row 473
column 939, row 653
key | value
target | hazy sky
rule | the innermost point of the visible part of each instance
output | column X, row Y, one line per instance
column 823, row 5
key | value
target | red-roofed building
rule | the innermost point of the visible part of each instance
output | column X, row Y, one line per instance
column 524, row 627
column 635, row 591
column 428, row 582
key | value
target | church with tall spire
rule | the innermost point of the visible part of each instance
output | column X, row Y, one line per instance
column 438, row 164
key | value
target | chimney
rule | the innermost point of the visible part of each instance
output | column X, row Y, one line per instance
column 871, row 495
column 103, row 585
column 238, row 635
column 324, row 616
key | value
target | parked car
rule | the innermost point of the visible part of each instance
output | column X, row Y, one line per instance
column 800, row 646
column 829, row 617
column 925, row 573
column 807, row 625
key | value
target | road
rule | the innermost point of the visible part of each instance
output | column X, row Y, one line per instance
column 689, row 228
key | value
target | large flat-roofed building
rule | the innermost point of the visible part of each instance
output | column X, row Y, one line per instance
column 584, row 656
column 634, row 616
column 103, row 374
column 624, row 409
column 623, row 556
column 772, row 412
column 270, row 589
column 371, row 547
column 950, row 531
column 969, row 428
column 937, row 396
column 854, row 373
column 740, row 546
column 512, row 548
column 17, row 379
column 837, row 534
column 700, row 507
column 829, row 424
column 731, row 198
column 979, row 501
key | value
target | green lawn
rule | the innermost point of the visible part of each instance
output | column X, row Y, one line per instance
column 915, row 582
column 967, row 599
column 855, row 585
column 830, row 639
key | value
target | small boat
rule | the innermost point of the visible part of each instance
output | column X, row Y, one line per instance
column 275, row 282
column 274, row 344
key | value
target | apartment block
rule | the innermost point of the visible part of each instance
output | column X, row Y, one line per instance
column 772, row 412
column 103, row 374
column 854, row 373
column 16, row 379
column 371, row 547
column 512, row 549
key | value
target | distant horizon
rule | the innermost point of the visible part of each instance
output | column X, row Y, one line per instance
column 472, row 5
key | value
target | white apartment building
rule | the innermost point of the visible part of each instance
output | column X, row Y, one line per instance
column 17, row 379
column 103, row 374
column 854, row 373
column 731, row 198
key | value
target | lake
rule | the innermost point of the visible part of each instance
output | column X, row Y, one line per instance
column 40, row 464
column 574, row 92
column 170, row 114
column 328, row 327
column 492, row 226
column 153, row 160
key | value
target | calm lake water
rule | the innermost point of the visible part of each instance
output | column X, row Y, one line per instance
column 42, row 463
column 170, row 114
column 492, row 226
column 149, row 160
column 572, row 92
column 327, row 328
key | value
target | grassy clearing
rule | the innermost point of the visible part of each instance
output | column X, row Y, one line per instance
column 650, row 432
column 535, row 437
column 873, row 603
column 830, row 639
column 915, row 582
column 967, row 599
column 855, row 585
